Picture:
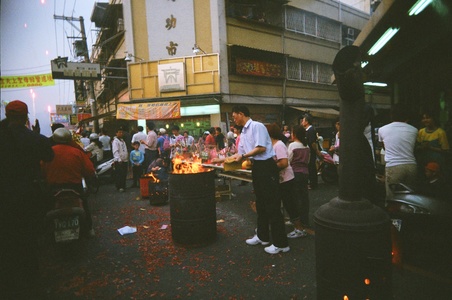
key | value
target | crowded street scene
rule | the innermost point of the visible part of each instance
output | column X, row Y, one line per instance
column 226, row 149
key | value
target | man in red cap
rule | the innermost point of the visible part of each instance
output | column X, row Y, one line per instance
column 16, row 108
column 21, row 204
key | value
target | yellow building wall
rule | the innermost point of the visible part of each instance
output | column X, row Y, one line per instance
column 203, row 25
column 264, row 40
column 309, row 91
column 201, row 76
column 140, row 29
column 259, row 87
column 255, row 86
column 309, row 48
column 295, row 45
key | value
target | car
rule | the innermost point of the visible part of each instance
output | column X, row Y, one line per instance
column 421, row 228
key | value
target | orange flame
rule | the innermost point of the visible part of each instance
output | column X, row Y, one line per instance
column 190, row 165
column 151, row 175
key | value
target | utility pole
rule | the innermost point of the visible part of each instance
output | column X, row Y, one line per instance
column 92, row 98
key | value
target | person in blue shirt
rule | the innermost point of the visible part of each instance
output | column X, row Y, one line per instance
column 255, row 143
column 163, row 143
column 136, row 158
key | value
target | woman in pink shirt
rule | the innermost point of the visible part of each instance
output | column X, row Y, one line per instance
column 286, row 180
column 299, row 154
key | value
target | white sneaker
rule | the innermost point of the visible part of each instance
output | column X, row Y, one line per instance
column 275, row 250
column 256, row 241
column 297, row 233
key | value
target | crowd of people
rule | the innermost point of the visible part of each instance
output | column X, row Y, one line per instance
column 158, row 147
column 417, row 158
column 283, row 170
column 66, row 160
column 284, row 166
column 293, row 153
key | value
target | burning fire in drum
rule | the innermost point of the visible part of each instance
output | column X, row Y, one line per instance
column 154, row 188
column 192, row 203
column 191, row 166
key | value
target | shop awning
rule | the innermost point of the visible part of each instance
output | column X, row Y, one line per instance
column 319, row 112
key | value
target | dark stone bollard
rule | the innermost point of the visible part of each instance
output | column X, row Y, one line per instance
column 353, row 240
column 353, row 251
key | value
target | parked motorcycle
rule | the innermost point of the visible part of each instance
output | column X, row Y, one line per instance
column 104, row 171
column 328, row 169
column 67, row 215
column 105, row 168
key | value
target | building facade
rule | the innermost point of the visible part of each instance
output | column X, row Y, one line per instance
column 274, row 56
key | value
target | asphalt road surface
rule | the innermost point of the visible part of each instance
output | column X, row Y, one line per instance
column 148, row 265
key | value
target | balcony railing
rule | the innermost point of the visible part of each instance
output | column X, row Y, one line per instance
column 264, row 12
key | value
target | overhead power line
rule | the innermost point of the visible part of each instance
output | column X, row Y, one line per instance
column 27, row 68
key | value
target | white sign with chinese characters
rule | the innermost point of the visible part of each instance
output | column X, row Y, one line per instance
column 171, row 77
column 171, row 28
column 64, row 109
column 63, row 69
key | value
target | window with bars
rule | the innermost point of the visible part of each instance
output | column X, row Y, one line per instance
column 304, row 22
column 309, row 71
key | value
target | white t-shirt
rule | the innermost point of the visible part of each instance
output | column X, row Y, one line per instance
column 399, row 139
column 138, row 137
column 281, row 152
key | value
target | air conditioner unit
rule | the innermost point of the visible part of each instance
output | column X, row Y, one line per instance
column 350, row 32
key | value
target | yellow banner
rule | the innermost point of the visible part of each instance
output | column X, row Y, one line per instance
column 23, row 81
column 149, row 111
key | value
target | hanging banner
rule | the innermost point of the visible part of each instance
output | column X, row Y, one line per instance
column 149, row 111
column 23, row 81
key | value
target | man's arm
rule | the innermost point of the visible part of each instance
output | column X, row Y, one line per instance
column 316, row 149
column 256, row 150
